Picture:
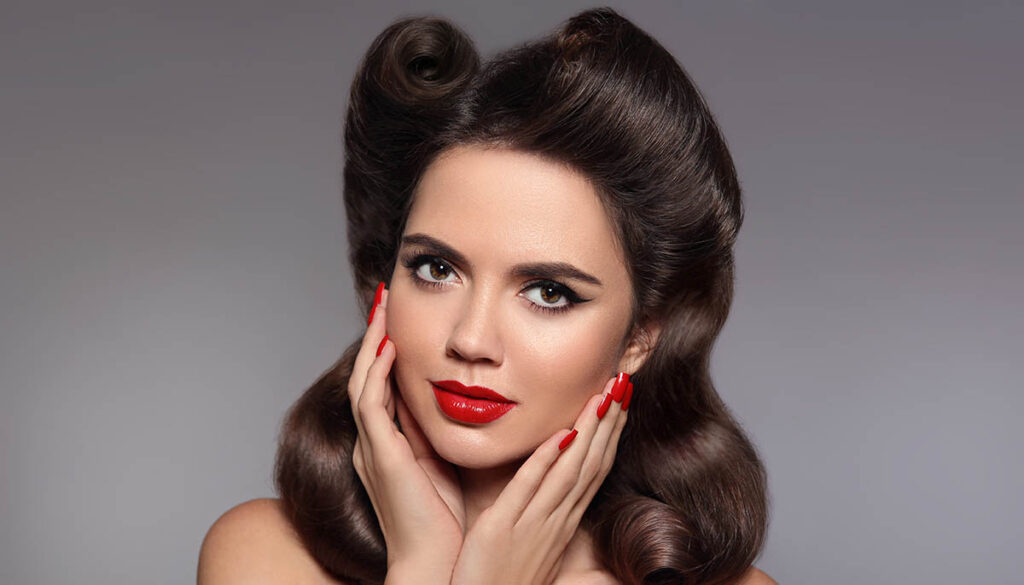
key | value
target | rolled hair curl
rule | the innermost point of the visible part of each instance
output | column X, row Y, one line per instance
column 686, row 501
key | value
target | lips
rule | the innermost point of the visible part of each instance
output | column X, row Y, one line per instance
column 456, row 387
column 470, row 404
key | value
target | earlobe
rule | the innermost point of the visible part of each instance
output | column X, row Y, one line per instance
column 642, row 343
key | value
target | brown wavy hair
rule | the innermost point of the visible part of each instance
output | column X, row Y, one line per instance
column 686, row 501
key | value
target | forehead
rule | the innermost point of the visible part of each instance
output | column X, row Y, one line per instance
column 474, row 197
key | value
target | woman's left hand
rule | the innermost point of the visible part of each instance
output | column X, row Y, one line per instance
column 520, row 538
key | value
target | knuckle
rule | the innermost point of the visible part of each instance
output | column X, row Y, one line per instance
column 376, row 370
column 590, row 467
column 621, row 423
column 565, row 483
column 575, row 515
column 559, row 517
column 363, row 407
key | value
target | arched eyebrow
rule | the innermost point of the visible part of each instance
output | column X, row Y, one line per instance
column 551, row 270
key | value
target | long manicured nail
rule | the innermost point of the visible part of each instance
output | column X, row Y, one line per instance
column 376, row 301
column 628, row 397
column 603, row 408
column 380, row 347
column 568, row 439
column 619, row 389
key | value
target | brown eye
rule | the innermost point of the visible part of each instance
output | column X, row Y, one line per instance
column 439, row 273
column 433, row 270
column 549, row 294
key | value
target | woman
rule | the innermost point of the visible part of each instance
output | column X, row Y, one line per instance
column 547, row 240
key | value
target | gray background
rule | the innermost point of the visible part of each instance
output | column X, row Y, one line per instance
column 172, row 268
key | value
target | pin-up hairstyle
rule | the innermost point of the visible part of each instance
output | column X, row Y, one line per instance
column 686, row 501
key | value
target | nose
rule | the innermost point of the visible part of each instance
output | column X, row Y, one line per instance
column 475, row 335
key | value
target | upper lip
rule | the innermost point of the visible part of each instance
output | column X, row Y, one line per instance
column 471, row 391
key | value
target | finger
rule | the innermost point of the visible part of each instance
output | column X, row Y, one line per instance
column 530, row 477
column 576, row 514
column 367, row 351
column 371, row 338
column 568, row 471
column 378, row 427
column 517, row 494
column 594, row 459
column 583, row 500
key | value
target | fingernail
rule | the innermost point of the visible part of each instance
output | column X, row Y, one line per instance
column 380, row 347
column 568, row 439
column 628, row 397
column 619, row 389
column 603, row 408
column 376, row 301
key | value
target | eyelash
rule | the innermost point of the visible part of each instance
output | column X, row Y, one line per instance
column 413, row 263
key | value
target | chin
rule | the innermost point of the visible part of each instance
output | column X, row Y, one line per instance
column 458, row 446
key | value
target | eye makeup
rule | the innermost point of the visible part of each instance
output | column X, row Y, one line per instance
column 413, row 262
column 545, row 270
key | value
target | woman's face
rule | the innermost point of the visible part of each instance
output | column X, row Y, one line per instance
column 459, row 310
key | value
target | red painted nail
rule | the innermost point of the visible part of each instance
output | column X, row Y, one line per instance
column 380, row 347
column 628, row 397
column 568, row 439
column 607, row 402
column 619, row 389
column 376, row 301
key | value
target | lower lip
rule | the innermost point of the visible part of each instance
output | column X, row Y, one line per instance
column 470, row 410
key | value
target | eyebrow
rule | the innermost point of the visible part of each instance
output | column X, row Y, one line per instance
column 553, row 270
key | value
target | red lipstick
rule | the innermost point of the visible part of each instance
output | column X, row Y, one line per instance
column 471, row 404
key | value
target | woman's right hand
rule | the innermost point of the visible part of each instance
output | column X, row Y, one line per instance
column 414, row 492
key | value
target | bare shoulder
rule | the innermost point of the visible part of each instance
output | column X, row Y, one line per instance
column 588, row 577
column 254, row 543
column 756, row 576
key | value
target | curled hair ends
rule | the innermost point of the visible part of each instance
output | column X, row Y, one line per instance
column 686, row 501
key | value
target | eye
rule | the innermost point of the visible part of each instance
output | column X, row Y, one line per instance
column 551, row 297
column 545, row 296
column 429, row 270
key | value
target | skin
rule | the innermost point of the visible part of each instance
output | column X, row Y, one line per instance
column 448, row 494
column 467, row 316
column 480, row 326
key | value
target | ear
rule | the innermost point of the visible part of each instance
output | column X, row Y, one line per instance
column 641, row 343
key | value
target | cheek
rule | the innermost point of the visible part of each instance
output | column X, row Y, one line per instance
column 413, row 329
column 405, row 321
column 572, row 365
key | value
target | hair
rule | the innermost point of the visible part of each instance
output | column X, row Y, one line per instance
column 686, row 500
